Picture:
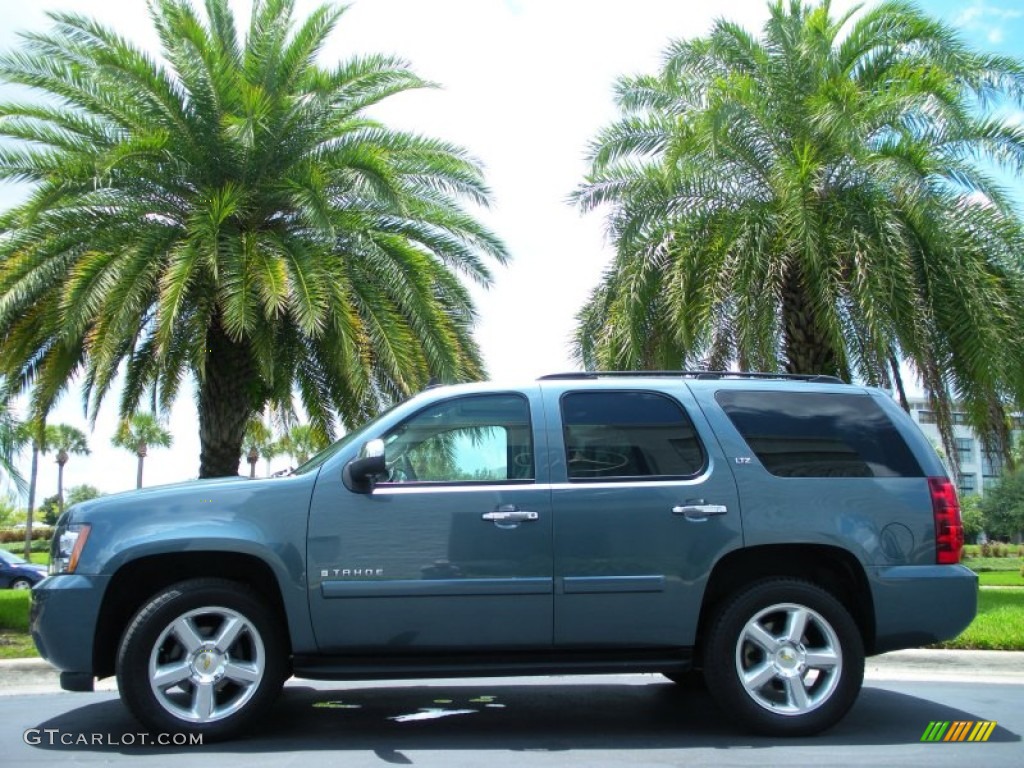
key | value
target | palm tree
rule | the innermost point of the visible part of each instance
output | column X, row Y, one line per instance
column 138, row 434
column 11, row 441
column 41, row 438
column 302, row 441
column 67, row 440
column 820, row 199
column 229, row 211
column 259, row 441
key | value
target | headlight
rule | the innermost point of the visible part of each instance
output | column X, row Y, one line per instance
column 68, row 548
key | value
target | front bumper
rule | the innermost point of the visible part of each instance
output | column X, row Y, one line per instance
column 918, row 605
column 63, row 620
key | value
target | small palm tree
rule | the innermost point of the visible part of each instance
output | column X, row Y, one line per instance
column 138, row 434
column 67, row 440
column 41, row 438
column 259, row 441
column 302, row 441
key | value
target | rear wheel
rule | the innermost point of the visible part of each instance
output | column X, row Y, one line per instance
column 20, row 583
column 785, row 657
column 204, row 656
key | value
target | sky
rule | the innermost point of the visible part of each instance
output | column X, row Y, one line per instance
column 525, row 85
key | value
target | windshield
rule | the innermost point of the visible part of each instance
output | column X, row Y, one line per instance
column 11, row 559
column 331, row 450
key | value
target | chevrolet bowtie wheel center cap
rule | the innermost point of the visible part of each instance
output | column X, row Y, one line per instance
column 789, row 660
column 208, row 665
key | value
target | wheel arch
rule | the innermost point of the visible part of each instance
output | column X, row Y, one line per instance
column 834, row 569
column 138, row 580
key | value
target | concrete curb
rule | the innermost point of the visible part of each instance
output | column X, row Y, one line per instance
column 25, row 676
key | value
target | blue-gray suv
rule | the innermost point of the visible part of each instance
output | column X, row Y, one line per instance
column 769, row 530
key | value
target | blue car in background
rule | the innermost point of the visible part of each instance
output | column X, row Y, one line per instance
column 18, row 573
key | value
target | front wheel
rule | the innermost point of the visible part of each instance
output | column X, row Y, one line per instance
column 785, row 657
column 20, row 583
column 204, row 656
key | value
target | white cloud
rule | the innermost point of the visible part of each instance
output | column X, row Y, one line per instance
column 988, row 19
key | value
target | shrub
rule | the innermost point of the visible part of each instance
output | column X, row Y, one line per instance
column 14, row 535
column 986, row 550
column 1002, row 550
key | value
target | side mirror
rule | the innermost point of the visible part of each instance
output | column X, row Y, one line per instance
column 360, row 474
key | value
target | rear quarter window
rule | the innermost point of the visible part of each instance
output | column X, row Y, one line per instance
column 819, row 434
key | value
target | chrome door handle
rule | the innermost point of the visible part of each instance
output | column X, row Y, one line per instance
column 699, row 511
column 509, row 516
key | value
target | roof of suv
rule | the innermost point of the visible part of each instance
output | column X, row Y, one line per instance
column 591, row 375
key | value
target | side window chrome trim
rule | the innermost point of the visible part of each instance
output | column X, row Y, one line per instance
column 400, row 489
column 396, row 490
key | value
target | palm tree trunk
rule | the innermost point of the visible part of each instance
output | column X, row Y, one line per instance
column 897, row 377
column 34, row 474
column 807, row 348
column 224, row 405
column 60, row 489
column 138, row 473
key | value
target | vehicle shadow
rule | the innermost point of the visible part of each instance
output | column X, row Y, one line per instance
column 388, row 720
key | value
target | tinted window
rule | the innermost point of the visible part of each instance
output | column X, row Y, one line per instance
column 622, row 435
column 484, row 438
column 811, row 434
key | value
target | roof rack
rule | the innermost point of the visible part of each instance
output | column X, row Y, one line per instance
column 810, row 377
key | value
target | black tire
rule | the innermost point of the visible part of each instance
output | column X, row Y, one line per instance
column 21, row 583
column 222, row 690
column 803, row 686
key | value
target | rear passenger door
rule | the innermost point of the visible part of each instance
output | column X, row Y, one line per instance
column 643, row 506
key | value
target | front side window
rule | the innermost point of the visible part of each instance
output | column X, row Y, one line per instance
column 817, row 434
column 482, row 438
column 627, row 435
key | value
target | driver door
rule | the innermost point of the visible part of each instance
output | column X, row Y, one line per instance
column 452, row 549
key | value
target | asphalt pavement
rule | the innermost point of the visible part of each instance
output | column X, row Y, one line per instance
column 639, row 721
column 642, row 721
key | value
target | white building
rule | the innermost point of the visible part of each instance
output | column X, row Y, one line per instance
column 978, row 470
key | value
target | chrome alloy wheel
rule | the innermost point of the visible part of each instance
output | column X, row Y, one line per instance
column 206, row 664
column 789, row 659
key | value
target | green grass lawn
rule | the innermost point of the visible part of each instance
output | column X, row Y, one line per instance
column 1001, row 579
column 14, row 609
column 983, row 564
column 15, row 642
column 999, row 625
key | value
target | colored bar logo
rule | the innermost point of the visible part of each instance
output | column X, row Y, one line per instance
column 958, row 730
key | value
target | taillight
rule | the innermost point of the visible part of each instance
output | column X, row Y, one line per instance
column 949, row 530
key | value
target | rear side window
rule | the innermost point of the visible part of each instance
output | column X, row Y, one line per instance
column 816, row 434
column 625, row 435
